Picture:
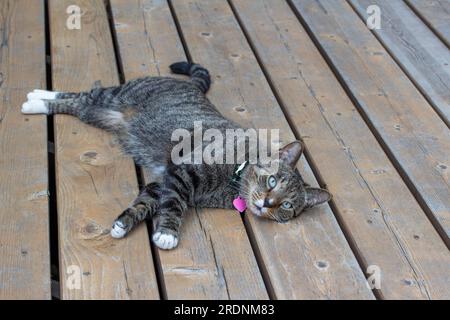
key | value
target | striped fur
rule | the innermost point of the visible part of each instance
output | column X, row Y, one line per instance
column 199, row 75
column 143, row 114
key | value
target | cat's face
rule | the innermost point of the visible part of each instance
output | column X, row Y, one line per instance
column 278, row 192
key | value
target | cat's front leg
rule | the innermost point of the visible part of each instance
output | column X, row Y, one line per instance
column 145, row 206
column 172, row 208
column 176, row 192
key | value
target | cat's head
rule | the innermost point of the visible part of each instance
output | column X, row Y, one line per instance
column 277, row 191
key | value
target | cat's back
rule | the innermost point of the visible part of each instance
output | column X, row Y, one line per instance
column 170, row 102
column 162, row 112
column 147, row 90
column 166, row 105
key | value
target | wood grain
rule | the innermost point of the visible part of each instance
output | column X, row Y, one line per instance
column 412, row 134
column 436, row 13
column 307, row 258
column 214, row 259
column 24, row 216
column 95, row 182
column 421, row 55
column 373, row 203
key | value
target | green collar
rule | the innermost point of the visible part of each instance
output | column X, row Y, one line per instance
column 238, row 169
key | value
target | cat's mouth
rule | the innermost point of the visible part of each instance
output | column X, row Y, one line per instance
column 257, row 210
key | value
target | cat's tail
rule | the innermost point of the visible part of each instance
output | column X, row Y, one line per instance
column 199, row 75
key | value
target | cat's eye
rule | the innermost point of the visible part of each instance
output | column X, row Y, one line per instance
column 286, row 205
column 271, row 182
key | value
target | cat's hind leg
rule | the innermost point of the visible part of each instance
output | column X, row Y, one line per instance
column 34, row 107
column 98, row 116
column 51, row 106
column 145, row 206
column 39, row 102
column 39, row 94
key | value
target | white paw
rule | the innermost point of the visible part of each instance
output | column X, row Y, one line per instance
column 42, row 94
column 34, row 106
column 118, row 230
column 165, row 241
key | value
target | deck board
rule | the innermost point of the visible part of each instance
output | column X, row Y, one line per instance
column 436, row 13
column 24, row 216
column 205, row 264
column 95, row 182
column 415, row 137
column 290, row 253
column 372, row 201
column 422, row 55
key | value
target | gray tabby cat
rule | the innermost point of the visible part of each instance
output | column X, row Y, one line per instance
column 143, row 113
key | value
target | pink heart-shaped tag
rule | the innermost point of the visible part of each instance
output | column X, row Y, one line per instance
column 239, row 204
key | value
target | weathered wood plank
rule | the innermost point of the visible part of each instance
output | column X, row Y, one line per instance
column 94, row 181
column 421, row 55
column 436, row 13
column 379, row 213
column 24, row 217
column 214, row 259
column 414, row 136
column 307, row 258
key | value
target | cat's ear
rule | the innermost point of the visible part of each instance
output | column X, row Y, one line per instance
column 316, row 196
column 292, row 152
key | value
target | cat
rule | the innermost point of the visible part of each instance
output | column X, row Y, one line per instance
column 143, row 114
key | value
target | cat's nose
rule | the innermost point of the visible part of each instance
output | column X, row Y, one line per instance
column 268, row 202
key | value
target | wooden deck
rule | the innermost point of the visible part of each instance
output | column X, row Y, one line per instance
column 372, row 106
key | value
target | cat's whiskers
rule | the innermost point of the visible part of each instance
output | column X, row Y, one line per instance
column 274, row 217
